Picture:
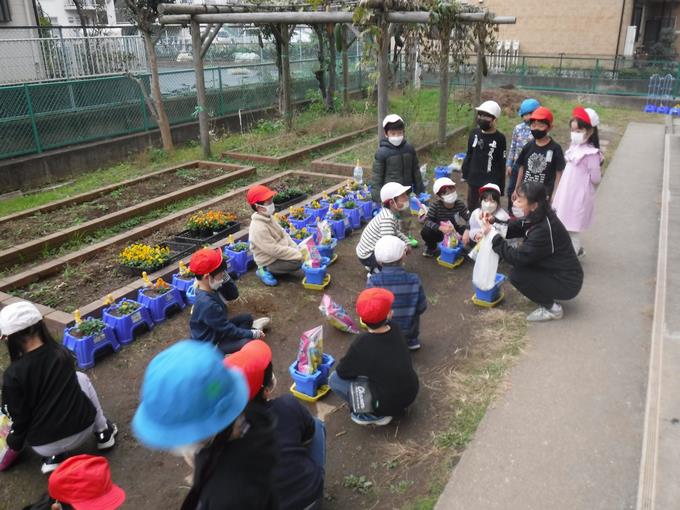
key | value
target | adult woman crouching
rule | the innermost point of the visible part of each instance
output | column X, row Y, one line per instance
column 545, row 266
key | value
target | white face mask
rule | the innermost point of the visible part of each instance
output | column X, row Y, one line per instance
column 578, row 138
column 188, row 452
column 450, row 198
column 517, row 212
column 395, row 140
column 215, row 284
column 401, row 207
column 489, row 206
column 268, row 209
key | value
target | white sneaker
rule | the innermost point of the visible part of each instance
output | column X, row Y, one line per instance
column 262, row 323
column 542, row 314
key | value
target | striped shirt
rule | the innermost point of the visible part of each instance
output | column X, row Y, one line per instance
column 458, row 215
column 385, row 223
column 409, row 296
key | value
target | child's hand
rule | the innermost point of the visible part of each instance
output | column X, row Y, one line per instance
column 466, row 237
column 446, row 229
column 508, row 171
column 258, row 333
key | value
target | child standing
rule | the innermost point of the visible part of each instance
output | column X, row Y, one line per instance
column 394, row 199
column 274, row 251
column 446, row 207
column 209, row 320
column 396, row 161
column 575, row 198
column 409, row 297
column 520, row 136
column 541, row 160
column 382, row 357
column 485, row 158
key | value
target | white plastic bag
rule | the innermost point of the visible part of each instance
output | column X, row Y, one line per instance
column 486, row 264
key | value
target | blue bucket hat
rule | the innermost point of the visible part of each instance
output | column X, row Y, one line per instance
column 187, row 395
column 528, row 106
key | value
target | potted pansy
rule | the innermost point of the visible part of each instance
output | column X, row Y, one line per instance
column 160, row 298
column 88, row 337
column 352, row 212
column 208, row 226
column 298, row 218
column 316, row 209
column 126, row 317
column 337, row 219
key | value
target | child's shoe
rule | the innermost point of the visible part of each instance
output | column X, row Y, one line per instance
column 543, row 314
column 430, row 253
column 266, row 277
column 49, row 464
column 412, row 241
column 370, row 419
column 413, row 344
column 262, row 323
column 106, row 439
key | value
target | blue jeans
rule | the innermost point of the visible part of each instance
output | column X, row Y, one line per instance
column 340, row 386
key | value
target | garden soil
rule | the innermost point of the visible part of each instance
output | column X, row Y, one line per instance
column 157, row 480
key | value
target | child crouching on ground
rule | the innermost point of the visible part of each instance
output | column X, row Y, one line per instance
column 446, row 208
column 409, row 297
column 490, row 196
column 380, row 356
column 395, row 200
column 209, row 321
column 274, row 251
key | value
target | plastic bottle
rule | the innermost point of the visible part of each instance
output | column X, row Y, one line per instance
column 358, row 173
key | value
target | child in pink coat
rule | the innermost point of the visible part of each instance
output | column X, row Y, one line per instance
column 574, row 198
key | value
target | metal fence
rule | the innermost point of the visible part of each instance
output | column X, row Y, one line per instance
column 35, row 117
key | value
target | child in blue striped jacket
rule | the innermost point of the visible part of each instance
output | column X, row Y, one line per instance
column 409, row 297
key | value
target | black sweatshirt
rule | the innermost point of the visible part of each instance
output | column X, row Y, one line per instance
column 385, row 359
column 41, row 394
column 485, row 159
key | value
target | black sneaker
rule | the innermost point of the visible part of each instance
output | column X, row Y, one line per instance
column 106, row 439
column 49, row 464
column 430, row 253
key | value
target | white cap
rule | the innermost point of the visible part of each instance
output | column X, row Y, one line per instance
column 440, row 183
column 392, row 190
column 391, row 118
column 490, row 107
column 389, row 249
column 490, row 185
column 594, row 117
column 18, row 316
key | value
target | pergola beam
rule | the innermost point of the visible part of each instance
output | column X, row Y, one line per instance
column 209, row 38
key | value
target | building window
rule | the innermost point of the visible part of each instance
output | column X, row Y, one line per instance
column 4, row 11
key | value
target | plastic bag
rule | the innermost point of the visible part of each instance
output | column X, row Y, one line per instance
column 451, row 239
column 337, row 316
column 310, row 252
column 7, row 456
column 486, row 264
column 310, row 353
column 324, row 233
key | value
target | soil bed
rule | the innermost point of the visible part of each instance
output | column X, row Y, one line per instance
column 81, row 284
column 41, row 224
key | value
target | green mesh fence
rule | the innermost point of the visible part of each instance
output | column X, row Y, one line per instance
column 41, row 116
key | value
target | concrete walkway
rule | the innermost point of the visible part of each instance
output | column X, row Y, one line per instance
column 568, row 433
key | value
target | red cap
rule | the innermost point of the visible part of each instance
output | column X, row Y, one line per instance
column 84, row 482
column 205, row 261
column 259, row 193
column 253, row 359
column 374, row 304
column 542, row 113
column 580, row 113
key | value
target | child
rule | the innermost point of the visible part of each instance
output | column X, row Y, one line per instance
column 396, row 161
column 195, row 407
column 409, row 297
column 520, row 136
column 541, row 160
column 209, row 317
column 485, row 158
column 274, row 251
column 53, row 408
column 381, row 355
column 574, row 199
column 446, row 207
column 84, row 483
column 299, row 473
column 490, row 195
column 394, row 199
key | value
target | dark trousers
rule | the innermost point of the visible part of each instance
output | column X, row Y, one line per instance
column 230, row 345
column 371, row 263
column 431, row 237
column 473, row 197
column 542, row 287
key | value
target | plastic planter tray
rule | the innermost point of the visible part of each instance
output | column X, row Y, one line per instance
column 87, row 347
column 177, row 251
column 239, row 260
column 187, row 236
column 126, row 325
column 354, row 216
column 182, row 284
column 490, row 297
column 283, row 205
column 309, row 384
column 300, row 224
column 316, row 213
column 159, row 306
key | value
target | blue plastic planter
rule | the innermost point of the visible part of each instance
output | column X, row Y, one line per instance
column 366, row 208
column 125, row 326
column 675, row 111
column 450, row 255
column 86, row 347
column 442, row 171
column 309, row 384
column 182, row 284
column 494, row 293
column 239, row 260
column 326, row 250
column 300, row 224
column 316, row 213
column 354, row 216
column 650, row 108
column 338, row 227
column 315, row 275
column 159, row 306
column 191, row 295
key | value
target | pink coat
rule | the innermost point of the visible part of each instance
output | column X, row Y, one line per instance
column 574, row 199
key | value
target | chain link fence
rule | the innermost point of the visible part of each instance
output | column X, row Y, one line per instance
column 35, row 117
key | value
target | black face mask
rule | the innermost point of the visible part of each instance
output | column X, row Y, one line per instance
column 484, row 124
column 538, row 134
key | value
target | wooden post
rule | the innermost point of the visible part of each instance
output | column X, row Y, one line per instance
column 478, row 72
column 285, row 79
column 383, row 73
column 345, row 70
column 200, row 88
column 444, row 84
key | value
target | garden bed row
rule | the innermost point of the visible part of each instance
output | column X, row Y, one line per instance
column 299, row 153
column 74, row 286
column 23, row 228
